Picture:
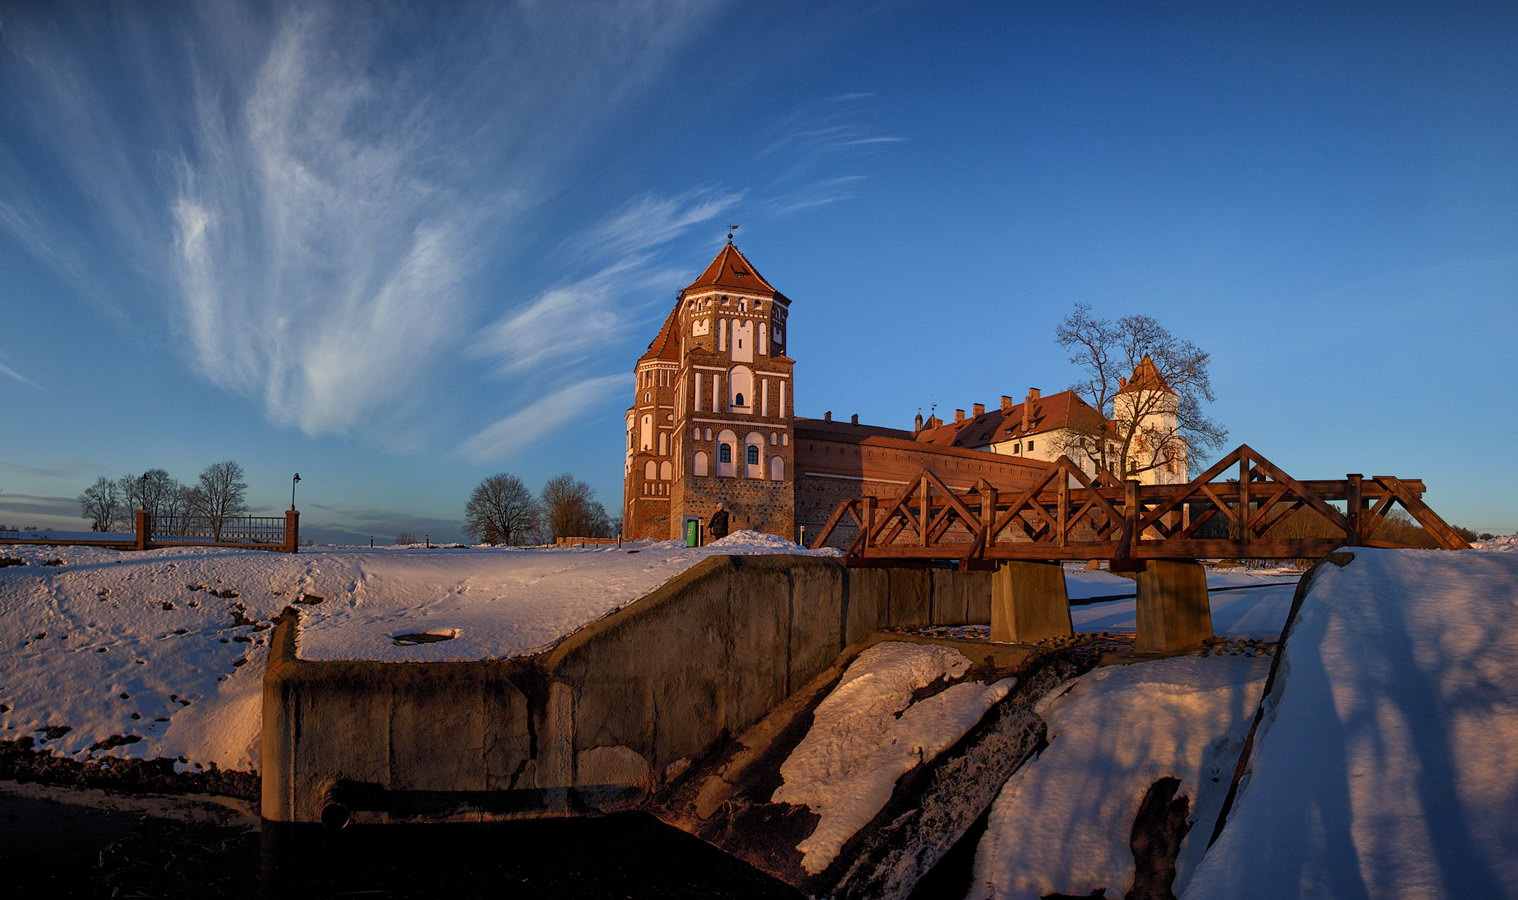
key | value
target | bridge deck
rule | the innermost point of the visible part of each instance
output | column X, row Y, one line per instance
column 1067, row 514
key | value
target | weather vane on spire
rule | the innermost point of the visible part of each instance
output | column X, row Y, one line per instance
column 730, row 230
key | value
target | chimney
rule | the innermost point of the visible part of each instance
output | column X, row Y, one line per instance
column 959, row 416
column 917, row 423
column 980, row 409
column 1033, row 394
column 1006, row 403
column 854, row 419
column 827, row 416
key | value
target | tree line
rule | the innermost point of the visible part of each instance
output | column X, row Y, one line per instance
column 218, row 493
column 501, row 510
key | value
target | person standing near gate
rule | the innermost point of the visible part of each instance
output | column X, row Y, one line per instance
column 717, row 527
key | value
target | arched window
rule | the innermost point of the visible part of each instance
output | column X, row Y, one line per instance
column 752, row 465
column 650, row 471
column 777, row 469
column 740, row 386
column 698, row 463
column 727, row 460
column 666, row 471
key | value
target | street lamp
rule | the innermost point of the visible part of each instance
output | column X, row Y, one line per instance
column 293, row 482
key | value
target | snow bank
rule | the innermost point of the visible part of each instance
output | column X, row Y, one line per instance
column 169, row 646
column 867, row 733
column 1389, row 765
column 1507, row 544
column 1062, row 822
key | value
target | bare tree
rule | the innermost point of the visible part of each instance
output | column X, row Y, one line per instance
column 405, row 537
column 502, row 511
column 101, row 504
column 1137, row 436
column 572, row 509
column 219, row 494
column 154, row 490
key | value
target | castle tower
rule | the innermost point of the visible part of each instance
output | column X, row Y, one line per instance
column 712, row 417
column 1147, row 397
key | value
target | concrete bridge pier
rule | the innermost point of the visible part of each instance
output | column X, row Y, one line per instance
column 1029, row 602
column 1173, row 609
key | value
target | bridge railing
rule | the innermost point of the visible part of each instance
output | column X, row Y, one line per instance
column 1067, row 514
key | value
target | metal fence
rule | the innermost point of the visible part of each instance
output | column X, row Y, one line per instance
column 223, row 529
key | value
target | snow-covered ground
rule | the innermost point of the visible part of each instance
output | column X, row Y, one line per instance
column 1082, row 583
column 1062, row 822
column 49, row 534
column 1389, row 767
column 169, row 646
column 1255, row 613
column 868, row 732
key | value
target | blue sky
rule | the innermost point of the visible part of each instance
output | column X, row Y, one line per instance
column 399, row 248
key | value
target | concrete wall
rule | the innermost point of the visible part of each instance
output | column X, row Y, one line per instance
column 613, row 713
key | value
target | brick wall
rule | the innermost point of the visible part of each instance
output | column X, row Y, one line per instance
column 837, row 461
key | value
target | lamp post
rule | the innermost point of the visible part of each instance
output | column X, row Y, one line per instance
column 293, row 482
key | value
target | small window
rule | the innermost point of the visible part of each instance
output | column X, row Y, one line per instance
column 753, row 454
column 1030, row 446
column 738, row 400
column 724, row 453
column 647, row 396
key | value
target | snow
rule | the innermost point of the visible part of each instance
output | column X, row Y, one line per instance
column 183, row 632
column 867, row 733
column 1063, row 820
column 1259, row 612
column 48, row 534
column 1083, row 584
column 1389, row 766
column 1508, row 544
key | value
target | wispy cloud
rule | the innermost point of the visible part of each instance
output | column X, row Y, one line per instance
column 318, row 184
column 35, row 506
column 542, row 417
column 65, row 469
column 8, row 372
column 812, row 139
column 567, row 323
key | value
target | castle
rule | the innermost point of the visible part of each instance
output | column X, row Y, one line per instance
column 713, row 422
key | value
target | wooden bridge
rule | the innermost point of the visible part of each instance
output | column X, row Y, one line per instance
column 1067, row 514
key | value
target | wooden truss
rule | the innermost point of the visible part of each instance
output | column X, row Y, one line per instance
column 1066, row 514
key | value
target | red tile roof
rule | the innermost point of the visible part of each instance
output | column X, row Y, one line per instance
column 666, row 344
column 731, row 269
column 1048, row 413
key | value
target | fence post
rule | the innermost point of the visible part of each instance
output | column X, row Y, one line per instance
column 292, row 531
column 141, row 523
